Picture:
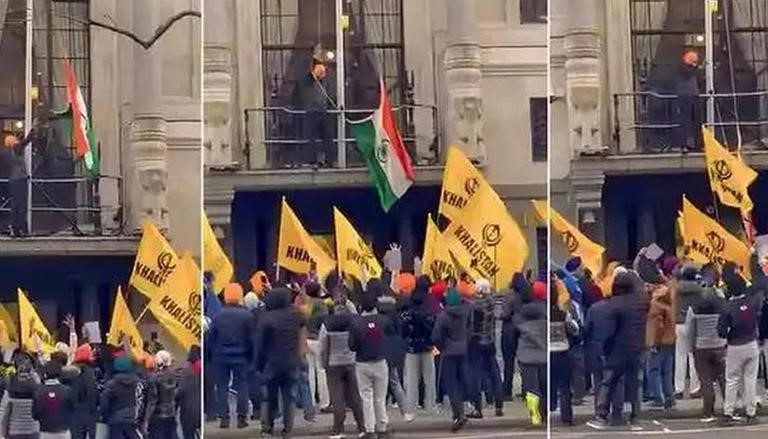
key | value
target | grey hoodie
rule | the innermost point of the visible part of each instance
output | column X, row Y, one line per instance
column 531, row 325
column 689, row 292
column 451, row 330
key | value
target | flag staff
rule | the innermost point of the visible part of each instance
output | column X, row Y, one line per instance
column 28, row 106
column 340, row 80
column 710, row 8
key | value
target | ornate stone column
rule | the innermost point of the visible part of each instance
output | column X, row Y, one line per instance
column 217, row 83
column 587, row 185
column 149, row 128
column 582, row 67
column 464, row 115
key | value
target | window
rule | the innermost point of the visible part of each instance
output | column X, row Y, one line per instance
column 533, row 11
column 539, row 130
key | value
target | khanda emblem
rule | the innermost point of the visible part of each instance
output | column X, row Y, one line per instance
column 720, row 170
column 570, row 241
column 471, row 185
column 365, row 251
column 491, row 235
column 165, row 263
column 194, row 302
column 716, row 241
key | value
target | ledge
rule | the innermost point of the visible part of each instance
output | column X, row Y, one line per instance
column 646, row 164
column 68, row 246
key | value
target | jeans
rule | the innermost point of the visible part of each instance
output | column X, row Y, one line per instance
column 373, row 379
column 318, row 382
column 280, row 385
column 483, row 358
column 57, row 435
column 123, row 431
column 710, row 365
column 420, row 366
column 164, row 428
column 454, row 376
column 578, row 371
column 625, row 366
column 83, row 426
column 560, row 364
column 660, row 375
column 304, row 395
column 342, row 384
column 238, row 373
column 684, row 362
column 395, row 388
column 741, row 373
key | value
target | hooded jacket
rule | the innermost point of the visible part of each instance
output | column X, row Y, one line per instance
column 417, row 324
column 118, row 400
column 368, row 337
column 689, row 293
column 451, row 331
column 627, row 316
column 53, row 406
column 188, row 397
column 483, row 319
column 87, row 401
column 277, row 341
column 531, row 324
column 334, row 339
column 16, row 408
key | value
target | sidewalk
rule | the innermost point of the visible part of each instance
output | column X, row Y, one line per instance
column 515, row 417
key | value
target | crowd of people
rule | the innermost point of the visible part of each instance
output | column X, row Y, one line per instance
column 66, row 393
column 338, row 344
column 655, row 332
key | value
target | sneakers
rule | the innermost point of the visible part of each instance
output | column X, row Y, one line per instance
column 242, row 423
column 708, row 419
column 499, row 412
column 532, row 404
column 337, row 436
column 224, row 424
column 634, row 426
column 598, row 424
column 458, row 424
column 475, row 414
column 409, row 417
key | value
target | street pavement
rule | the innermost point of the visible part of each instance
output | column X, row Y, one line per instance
column 514, row 423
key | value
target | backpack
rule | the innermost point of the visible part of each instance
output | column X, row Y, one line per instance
column 166, row 385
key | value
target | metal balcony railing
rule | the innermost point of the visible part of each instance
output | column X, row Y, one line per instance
column 650, row 122
column 69, row 205
column 277, row 137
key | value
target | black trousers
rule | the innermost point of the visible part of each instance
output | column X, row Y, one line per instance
column 280, row 385
column 123, row 431
column 255, row 393
column 454, row 376
column 626, row 366
column 578, row 371
column 83, row 426
column 535, row 381
column 17, row 189
column 164, row 428
column 317, row 131
column 485, row 366
column 560, row 363
column 508, row 354
column 342, row 385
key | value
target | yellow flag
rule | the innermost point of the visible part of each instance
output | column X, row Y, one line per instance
column 486, row 239
column 155, row 263
column 461, row 181
column 297, row 250
column 10, row 334
column 214, row 258
column 575, row 242
column 729, row 176
column 436, row 260
column 178, row 308
column 707, row 241
column 123, row 325
column 31, row 325
column 355, row 257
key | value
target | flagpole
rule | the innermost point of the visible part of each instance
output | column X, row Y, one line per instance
column 141, row 315
column 710, row 7
column 28, row 107
column 340, row 92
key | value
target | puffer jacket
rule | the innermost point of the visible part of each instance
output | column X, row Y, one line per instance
column 334, row 340
column 417, row 325
column 16, row 417
column 483, row 320
column 161, row 402
column 451, row 331
column 531, row 323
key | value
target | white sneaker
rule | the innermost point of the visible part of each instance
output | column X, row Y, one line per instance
column 708, row 420
column 337, row 436
column 409, row 417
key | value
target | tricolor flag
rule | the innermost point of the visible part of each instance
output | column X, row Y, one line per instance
column 382, row 148
column 83, row 136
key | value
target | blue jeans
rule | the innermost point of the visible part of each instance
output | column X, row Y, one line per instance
column 661, row 369
column 304, row 395
column 237, row 372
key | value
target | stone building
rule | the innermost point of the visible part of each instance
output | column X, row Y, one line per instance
column 623, row 148
column 145, row 107
column 457, row 72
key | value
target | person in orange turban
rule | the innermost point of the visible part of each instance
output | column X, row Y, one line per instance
column 406, row 283
column 233, row 294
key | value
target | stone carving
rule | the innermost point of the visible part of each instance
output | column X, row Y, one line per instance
column 149, row 141
column 582, row 70
column 465, row 101
column 217, row 96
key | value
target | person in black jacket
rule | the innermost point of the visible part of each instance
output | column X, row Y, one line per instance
column 312, row 96
column 368, row 340
column 417, row 325
column 231, row 337
column 626, row 322
column 161, row 403
column 86, row 405
column 189, row 396
column 277, row 343
column 518, row 288
column 118, row 400
column 451, row 336
column 53, row 404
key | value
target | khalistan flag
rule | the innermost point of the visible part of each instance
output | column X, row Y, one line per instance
column 83, row 136
column 382, row 148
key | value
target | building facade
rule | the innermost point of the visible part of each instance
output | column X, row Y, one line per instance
column 466, row 73
column 624, row 148
column 145, row 108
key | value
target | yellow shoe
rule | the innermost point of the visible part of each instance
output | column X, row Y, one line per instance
column 532, row 404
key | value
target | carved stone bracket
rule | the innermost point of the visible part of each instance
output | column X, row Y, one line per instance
column 149, row 143
column 217, row 98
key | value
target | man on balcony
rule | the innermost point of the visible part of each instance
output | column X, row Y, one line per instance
column 688, row 112
column 316, row 130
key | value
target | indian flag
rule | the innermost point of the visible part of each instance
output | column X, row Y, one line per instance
column 83, row 136
column 382, row 148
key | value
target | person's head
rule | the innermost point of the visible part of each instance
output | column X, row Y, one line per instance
column 84, row 354
column 452, row 297
column 423, row 283
column 313, row 289
column 690, row 273
column 195, row 353
column 10, row 141
column 573, row 265
column 60, row 357
column 153, row 336
column 148, row 363
column 406, row 283
column 438, row 289
column 368, row 301
column 482, row 287
column 233, row 294
column 52, row 370
column 691, row 58
column 340, row 303
column 122, row 364
column 623, row 284
column 164, row 359
column 539, row 291
column 318, row 68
